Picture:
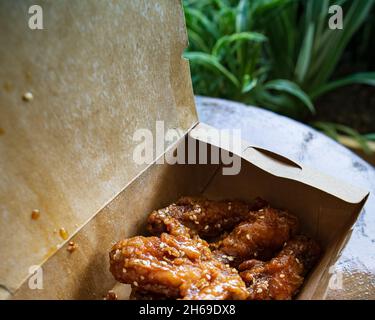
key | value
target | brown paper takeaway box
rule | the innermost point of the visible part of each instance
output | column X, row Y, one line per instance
column 99, row 71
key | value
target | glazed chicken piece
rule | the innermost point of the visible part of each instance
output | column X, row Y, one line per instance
column 263, row 234
column 282, row 277
column 203, row 217
column 175, row 267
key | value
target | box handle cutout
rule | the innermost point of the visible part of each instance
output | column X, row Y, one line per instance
column 277, row 157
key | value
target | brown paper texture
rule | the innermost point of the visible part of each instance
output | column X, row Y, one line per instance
column 98, row 71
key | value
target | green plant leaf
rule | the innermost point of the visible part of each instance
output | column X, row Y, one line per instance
column 304, row 57
column 293, row 89
column 236, row 37
column 196, row 40
column 242, row 17
column 356, row 136
column 211, row 62
column 330, row 44
column 359, row 78
column 370, row 136
column 334, row 129
column 327, row 128
column 248, row 84
column 192, row 13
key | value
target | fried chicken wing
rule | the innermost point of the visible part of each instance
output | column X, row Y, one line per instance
column 177, row 263
column 203, row 217
column 174, row 266
column 280, row 278
column 263, row 234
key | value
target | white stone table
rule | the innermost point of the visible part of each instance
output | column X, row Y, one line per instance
column 307, row 146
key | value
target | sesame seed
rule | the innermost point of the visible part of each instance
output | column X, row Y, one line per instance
column 27, row 96
column 111, row 295
column 72, row 246
column 259, row 290
column 248, row 237
column 206, row 227
column 135, row 283
column 35, row 214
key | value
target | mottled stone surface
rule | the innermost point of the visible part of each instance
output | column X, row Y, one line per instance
column 356, row 266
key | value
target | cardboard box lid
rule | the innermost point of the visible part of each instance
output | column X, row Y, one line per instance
column 97, row 72
column 282, row 167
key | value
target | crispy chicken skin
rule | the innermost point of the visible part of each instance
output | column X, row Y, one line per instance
column 203, row 217
column 263, row 234
column 175, row 266
column 280, row 278
column 239, row 262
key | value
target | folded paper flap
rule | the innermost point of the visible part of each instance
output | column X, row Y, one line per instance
column 279, row 165
column 97, row 73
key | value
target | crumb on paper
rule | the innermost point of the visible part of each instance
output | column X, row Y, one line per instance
column 63, row 233
column 27, row 96
column 72, row 246
column 111, row 295
column 35, row 214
